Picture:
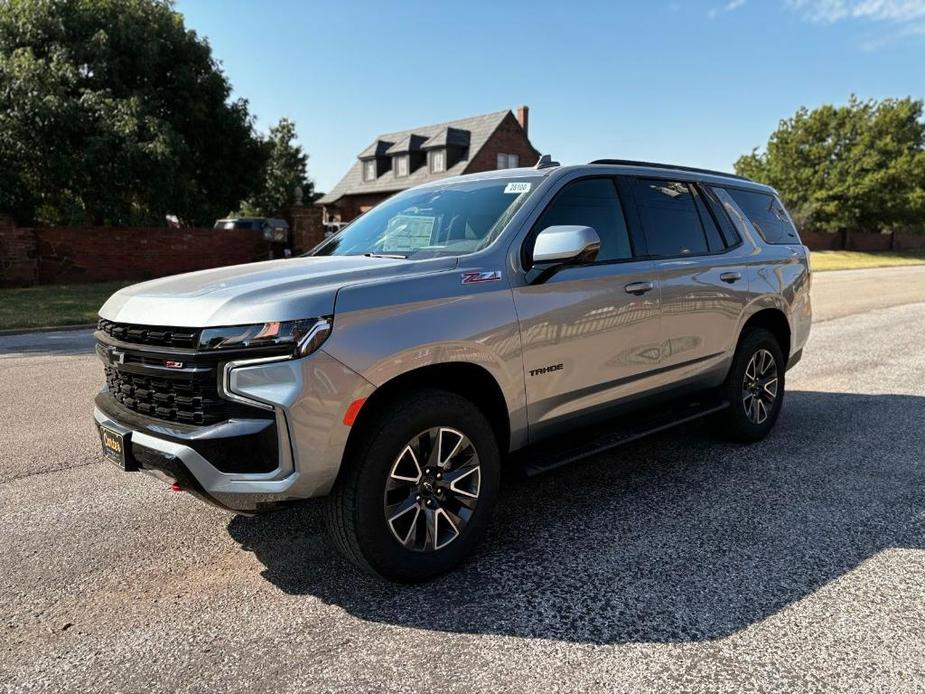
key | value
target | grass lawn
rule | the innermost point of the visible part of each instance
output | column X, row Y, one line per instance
column 850, row 260
column 60, row 304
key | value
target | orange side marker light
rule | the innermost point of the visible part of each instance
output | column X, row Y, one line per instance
column 350, row 416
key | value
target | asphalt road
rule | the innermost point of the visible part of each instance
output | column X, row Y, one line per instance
column 675, row 563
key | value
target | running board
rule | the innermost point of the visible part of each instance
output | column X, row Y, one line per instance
column 558, row 452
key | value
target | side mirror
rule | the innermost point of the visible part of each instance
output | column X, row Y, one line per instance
column 566, row 244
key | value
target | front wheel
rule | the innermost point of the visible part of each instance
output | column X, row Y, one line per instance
column 754, row 387
column 418, row 492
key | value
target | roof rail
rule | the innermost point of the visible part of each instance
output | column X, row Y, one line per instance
column 652, row 165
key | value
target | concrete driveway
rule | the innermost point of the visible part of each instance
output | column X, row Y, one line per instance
column 676, row 563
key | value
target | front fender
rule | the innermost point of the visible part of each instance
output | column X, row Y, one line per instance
column 382, row 332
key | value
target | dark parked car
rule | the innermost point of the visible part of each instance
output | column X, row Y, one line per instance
column 274, row 230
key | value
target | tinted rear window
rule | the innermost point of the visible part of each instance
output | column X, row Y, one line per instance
column 670, row 218
column 767, row 215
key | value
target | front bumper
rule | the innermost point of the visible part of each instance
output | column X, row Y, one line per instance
column 307, row 398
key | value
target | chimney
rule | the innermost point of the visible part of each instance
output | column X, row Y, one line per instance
column 523, row 117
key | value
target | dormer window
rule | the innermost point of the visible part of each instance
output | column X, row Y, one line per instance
column 437, row 160
column 406, row 155
column 446, row 148
column 369, row 170
column 374, row 160
column 401, row 165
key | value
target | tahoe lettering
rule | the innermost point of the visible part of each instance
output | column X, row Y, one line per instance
column 546, row 369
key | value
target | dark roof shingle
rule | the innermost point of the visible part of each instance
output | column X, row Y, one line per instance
column 377, row 149
column 479, row 128
column 409, row 143
column 448, row 137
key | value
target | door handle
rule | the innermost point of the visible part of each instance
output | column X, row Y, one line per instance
column 639, row 288
column 731, row 277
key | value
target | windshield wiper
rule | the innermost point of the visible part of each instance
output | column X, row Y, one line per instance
column 396, row 256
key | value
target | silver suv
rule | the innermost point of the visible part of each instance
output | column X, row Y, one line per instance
column 526, row 317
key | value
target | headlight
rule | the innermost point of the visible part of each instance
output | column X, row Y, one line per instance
column 305, row 336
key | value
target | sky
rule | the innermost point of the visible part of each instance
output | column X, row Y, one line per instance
column 697, row 83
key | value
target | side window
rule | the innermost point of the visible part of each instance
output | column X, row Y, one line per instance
column 670, row 218
column 726, row 227
column 766, row 214
column 591, row 202
column 714, row 240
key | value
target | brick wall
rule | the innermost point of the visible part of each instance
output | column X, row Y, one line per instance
column 868, row 242
column 903, row 241
column 861, row 241
column 95, row 254
column 822, row 241
column 18, row 260
column 307, row 227
column 508, row 138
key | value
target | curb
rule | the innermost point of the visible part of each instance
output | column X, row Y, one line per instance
column 46, row 329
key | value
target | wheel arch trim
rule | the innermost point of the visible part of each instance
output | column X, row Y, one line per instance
column 770, row 312
column 474, row 381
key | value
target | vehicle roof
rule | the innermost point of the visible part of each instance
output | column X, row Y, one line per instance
column 620, row 167
column 687, row 173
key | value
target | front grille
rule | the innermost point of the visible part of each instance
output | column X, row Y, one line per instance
column 155, row 336
column 179, row 385
column 186, row 398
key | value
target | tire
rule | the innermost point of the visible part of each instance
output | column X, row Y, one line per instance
column 757, row 369
column 388, row 524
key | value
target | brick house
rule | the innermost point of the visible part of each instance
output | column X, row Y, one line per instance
column 404, row 159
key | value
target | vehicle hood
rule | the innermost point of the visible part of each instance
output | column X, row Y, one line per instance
column 274, row 290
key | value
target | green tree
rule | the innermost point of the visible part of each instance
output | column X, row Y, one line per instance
column 112, row 112
column 859, row 167
column 286, row 169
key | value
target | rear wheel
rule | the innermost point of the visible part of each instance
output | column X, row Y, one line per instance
column 417, row 494
column 754, row 387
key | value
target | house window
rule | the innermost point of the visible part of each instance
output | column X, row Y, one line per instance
column 438, row 160
column 508, row 161
column 401, row 165
column 369, row 170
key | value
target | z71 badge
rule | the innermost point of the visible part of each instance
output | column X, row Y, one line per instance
column 479, row 277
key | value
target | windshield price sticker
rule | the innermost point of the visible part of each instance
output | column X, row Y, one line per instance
column 517, row 188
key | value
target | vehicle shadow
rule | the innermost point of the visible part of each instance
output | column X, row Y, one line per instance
column 672, row 539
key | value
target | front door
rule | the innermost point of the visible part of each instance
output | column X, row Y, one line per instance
column 591, row 332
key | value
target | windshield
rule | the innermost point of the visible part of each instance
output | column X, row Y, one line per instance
column 454, row 219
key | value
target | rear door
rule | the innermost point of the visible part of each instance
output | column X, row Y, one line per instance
column 701, row 272
column 589, row 332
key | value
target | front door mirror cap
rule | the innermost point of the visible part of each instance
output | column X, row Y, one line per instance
column 565, row 244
